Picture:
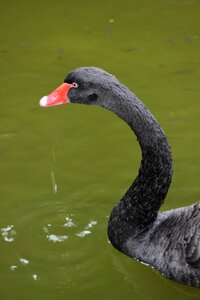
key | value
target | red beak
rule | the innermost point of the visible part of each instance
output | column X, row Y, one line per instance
column 57, row 97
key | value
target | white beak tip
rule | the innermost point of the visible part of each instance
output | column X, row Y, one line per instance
column 43, row 101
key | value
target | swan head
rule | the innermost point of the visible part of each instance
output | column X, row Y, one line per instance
column 85, row 85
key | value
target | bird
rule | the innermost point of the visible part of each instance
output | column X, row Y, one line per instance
column 168, row 241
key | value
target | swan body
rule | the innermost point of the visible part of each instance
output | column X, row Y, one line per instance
column 168, row 241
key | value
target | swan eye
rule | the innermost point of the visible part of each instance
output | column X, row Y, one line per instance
column 74, row 85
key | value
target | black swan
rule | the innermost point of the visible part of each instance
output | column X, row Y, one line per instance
column 168, row 241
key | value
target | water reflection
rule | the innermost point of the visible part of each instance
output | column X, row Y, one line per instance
column 83, row 233
column 57, row 238
column 35, row 276
column 8, row 233
column 54, row 184
column 68, row 224
column 13, row 267
column 91, row 224
column 24, row 261
column 86, row 231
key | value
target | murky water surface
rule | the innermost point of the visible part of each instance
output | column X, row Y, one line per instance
column 63, row 168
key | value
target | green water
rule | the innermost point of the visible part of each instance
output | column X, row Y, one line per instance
column 64, row 168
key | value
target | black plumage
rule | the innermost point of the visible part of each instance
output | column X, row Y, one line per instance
column 168, row 241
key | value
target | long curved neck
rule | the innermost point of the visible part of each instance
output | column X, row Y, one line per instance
column 138, row 208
